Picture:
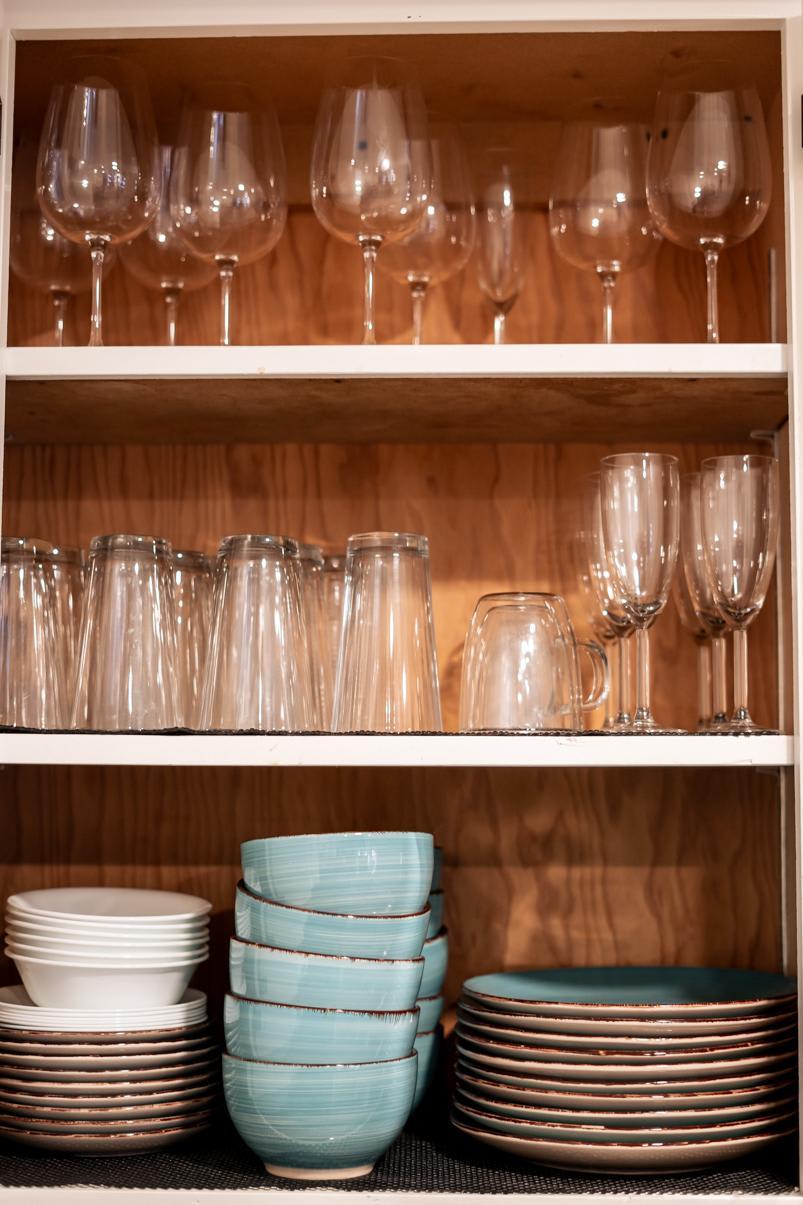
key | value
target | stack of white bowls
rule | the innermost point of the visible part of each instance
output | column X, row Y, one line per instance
column 106, row 947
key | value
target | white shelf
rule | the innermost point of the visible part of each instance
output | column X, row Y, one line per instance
column 447, row 750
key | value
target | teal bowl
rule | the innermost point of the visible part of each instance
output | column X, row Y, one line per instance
column 429, row 1012
column 435, row 914
column 274, row 1033
column 428, row 1049
column 323, row 980
column 319, row 1123
column 291, row 928
column 437, row 867
column 436, row 957
column 367, row 874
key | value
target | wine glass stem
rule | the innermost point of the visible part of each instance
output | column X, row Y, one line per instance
column 703, row 685
column 60, row 301
column 370, row 247
column 719, row 676
column 643, row 714
column 608, row 281
column 624, row 717
column 712, row 304
column 171, row 297
column 499, row 327
column 418, row 292
column 226, row 270
column 740, row 711
column 97, row 248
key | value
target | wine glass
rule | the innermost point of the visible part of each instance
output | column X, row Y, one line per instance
column 98, row 179
column 697, row 630
column 442, row 242
column 370, row 176
column 639, row 495
column 502, row 234
column 38, row 255
column 160, row 259
column 698, row 589
column 599, row 219
column 227, row 184
column 709, row 174
column 739, row 507
column 602, row 630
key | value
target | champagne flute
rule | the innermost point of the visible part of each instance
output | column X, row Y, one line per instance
column 709, row 174
column 370, row 176
column 599, row 220
column 700, row 595
column 227, row 185
column 697, row 630
column 442, row 242
column 160, row 259
column 98, row 179
column 502, row 234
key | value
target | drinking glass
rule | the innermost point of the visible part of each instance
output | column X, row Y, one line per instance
column 311, row 565
column 739, row 505
column 599, row 219
column 521, row 668
column 502, row 234
column 387, row 668
column 639, row 495
column 334, row 589
column 709, row 174
column 700, row 595
column 192, row 601
column 601, row 628
column 98, row 178
column 689, row 620
column 227, row 185
column 66, row 579
column 442, row 242
column 371, row 176
column 258, row 669
column 160, row 259
column 126, row 677
column 32, row 690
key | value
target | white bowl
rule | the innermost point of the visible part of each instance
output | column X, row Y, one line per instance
column 101, row 927
column 108, row 903
column 96, row 988
column 96, row 936
column 103, row 954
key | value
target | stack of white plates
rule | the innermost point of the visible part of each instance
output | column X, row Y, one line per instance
column 106, row 948
column 627, row 1068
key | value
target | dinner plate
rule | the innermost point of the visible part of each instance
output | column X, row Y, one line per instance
column 11, row 1072
column 633, row 991
column 167, row 1121
column 626, row 1158
column 632, row 1073
column 99, row 1064
column 85, row 1090
column 182, row 1042
column 629, row 1027
column 617, row 1058
column 112, row 1111
column 100, row 1145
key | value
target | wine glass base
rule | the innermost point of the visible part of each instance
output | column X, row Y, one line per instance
column 745, row 728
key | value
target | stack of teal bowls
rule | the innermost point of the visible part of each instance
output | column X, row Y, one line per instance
column 320, row 1070
column 430, row 1002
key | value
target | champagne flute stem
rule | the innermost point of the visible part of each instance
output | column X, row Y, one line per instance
column 499, row 327
column 703, row 685
column 171, row 297
column 719, row 674
column 60, row 300
column 97, row 249
column 741, row 715
column 712, row 303
column 608, row 280
column 226, row 270
column 418, row 293
column 370, row 247
column 624, row 719
column 610, row 702
column 643, row 717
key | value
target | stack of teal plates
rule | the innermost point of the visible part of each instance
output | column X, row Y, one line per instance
column 627, row 1069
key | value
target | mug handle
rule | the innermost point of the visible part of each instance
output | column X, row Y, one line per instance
column 599, row 663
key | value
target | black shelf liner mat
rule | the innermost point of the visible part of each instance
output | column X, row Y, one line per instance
column 429, row 1157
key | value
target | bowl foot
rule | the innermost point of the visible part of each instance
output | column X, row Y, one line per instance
column 319, row 1173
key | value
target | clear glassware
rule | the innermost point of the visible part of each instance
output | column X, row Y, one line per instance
column 387, row 669
column 227, row 184
column 709, row 173
column 689, row 620
column 126, row 676
column 333, row 593
column 98, row 177
column 639, row 495
column 66, row 579
column 602, row 630
column 521, row 670
column 371, row 175
column 441, row 244
column 700, row 595
column 38, row 255
column 160, row 259
column 192, row 602
column 502, row 231
column 258, row 668
column 599, row 218
column 311, row 564
column 32, row 691
column 740, row 515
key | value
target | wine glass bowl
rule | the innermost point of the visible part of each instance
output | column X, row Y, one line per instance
column 502, row 232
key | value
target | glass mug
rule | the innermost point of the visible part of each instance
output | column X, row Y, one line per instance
column 521, row 667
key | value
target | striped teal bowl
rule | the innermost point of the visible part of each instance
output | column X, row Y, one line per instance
column 428, row 1049
column 319, row 1123
column 291, row 928
column 388, row 874
column 436, row 957
column 435, row 914
column 323, row 980
column 429, row 1012
column 256, row 1029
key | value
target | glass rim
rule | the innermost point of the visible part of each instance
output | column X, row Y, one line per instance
column 155, row 545
column 191, row 558
column 394, row 541
column 738, row 458
column 309, row 552
column 523, row 595
column 66, row 556
column 249, row 544
column 24, row 546
column 618, row 460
